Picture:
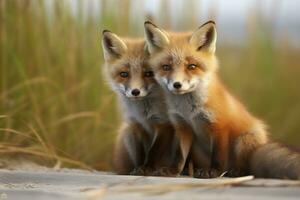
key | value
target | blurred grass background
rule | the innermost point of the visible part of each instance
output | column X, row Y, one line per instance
column 55, row 107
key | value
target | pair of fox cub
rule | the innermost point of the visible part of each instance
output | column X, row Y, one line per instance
column 179, row 117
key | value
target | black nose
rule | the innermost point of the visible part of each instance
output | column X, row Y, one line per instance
column 177, row 85
column 135, row 92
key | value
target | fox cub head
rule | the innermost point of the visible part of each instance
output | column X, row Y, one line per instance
column 126, row 66
column 182, row 62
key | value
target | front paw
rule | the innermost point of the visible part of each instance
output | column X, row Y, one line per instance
column 235, row 173
column 138, row 171
column 206, row 173
column 142, row 171
column 166, row 171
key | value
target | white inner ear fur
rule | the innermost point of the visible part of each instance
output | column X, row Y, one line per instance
column 113, row 46
column 156, row 38
column 205, row 38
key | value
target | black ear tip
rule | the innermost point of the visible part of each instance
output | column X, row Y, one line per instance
column 105, row 31
column 148, row 23
column 209, row 22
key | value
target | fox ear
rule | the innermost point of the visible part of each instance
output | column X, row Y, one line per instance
column 113, row 46
column 155, row 37
column 205, row 37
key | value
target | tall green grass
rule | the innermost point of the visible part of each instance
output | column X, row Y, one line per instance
column 51, row 84
column 56, row 107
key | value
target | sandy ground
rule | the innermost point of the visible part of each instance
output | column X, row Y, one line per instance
column 45, row 183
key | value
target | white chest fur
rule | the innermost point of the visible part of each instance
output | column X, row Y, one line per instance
column 150, row 110
column 191, row 107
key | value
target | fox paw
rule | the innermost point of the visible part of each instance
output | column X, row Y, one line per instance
column 206, row 173
column 166, row 171
column 142, row 171
column 234, row 173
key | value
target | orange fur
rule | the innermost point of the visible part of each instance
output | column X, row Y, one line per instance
column 237, row 135
column 146, row 142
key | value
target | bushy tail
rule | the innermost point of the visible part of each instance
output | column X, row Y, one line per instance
column 275, row 161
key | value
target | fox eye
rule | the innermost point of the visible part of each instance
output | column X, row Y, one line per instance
column 124, row 74
column 192, row 66
column 166, row 67
column 149, row 74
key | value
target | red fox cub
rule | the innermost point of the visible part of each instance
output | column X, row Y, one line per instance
column 205, row 114
column 146, row 141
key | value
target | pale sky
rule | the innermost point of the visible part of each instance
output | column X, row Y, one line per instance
column 232, row 16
